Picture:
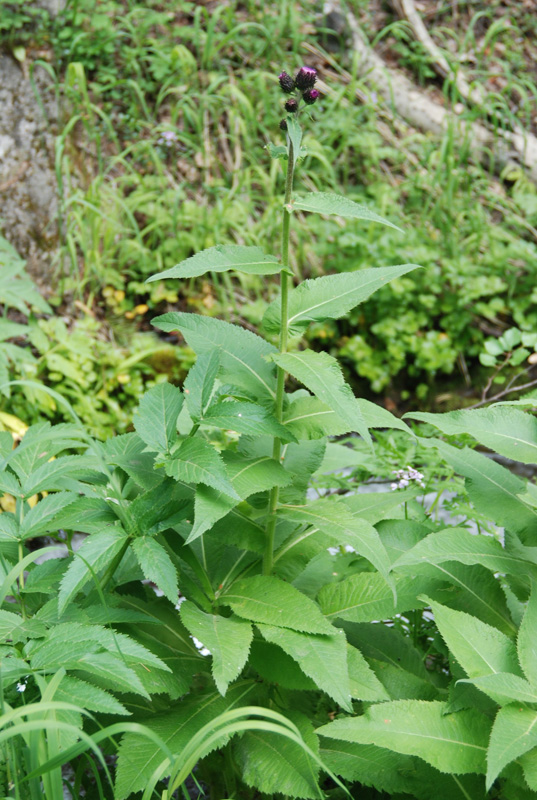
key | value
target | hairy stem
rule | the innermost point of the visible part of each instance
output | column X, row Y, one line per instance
column 280, row 375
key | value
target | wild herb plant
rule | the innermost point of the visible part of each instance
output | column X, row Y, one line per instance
column 296, row 646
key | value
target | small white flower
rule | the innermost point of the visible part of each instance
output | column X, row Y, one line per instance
column 21, row 687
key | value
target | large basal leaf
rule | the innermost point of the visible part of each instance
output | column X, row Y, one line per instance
column 335, row 520
column 221, row 258
column 41, row 518
column 272, row 601
column 479, row 648
column 322, row 375
column 321, row 658
column 329, row 203
column 242, row 361
column 196, row 461
column 199, row 383
column 227, row 638
column 156, row 418
column 330, row 297
column 514, row 733
column 139, row 757
column 157, row 566
column 248, row 418
column 455, row 743
column 527, row 640
column 96, row 553
column 507, row 431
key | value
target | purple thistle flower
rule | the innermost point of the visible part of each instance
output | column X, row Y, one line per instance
column 310, row 96
column 305, row 78
column 283, row 125
column 291, row 105
column 287, row 83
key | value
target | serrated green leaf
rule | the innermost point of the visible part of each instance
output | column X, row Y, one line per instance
column 196, row 461
column 274, row 602
column 329, row 203
column 139, row 757
column 62, row 473
column 275, row 666
column 199, row 383
column 309, row 418
column 248, row 418
column 242, row 361
column 222, row 258
column 507, row 431
column 322, row 375
column 527, row 641
column 514, row 733
column 479, row 648
column 504, row 687
column 321, row 658
column 227, row 638
column 85, row 695
column 39, row 444
column 41, row 518
column 375, row 506
column 330, row 297
column 335, row 520
column 364, row 684
column 9, row 484
column 157, row 566
column 97, row 551
column 455, row 743
column 156, row 417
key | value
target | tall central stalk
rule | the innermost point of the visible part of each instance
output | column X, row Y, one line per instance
column 280, row 379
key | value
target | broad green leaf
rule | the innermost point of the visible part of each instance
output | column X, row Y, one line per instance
column 86, row 695
column 527, row 640
column 330, row 297
column 374, row 506
column 87, row 515
column 387, row 645
column 322, row 375
column 248, row 418
column 302, row 460
column 156, row 418
column 507, row 431
column 378, row 417
column 504, row 687
column 514, row 733
column 139, row 757
column 274, row 602
column 196, row 461
column 199, row 383
column 492, row 488
column 96, row 552
column 454, row 743
column 365, row 597
column 64, row 472
column 335, row 520
column 364, row 684
column 242, row 361
column 9, row 484
column 40, row 443
column 227, row 638
column 528, row 762
column 221, row 258
column 336, row 204
column 321, row 658
column 276, row 765
column 41, row 518
column 309, row 418
column 458, row 544
column 157, row 566
column 338, row 457
column 479, row 648
column 275, row 666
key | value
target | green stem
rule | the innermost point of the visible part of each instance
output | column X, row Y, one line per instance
column 280, row 375
column 114, row 564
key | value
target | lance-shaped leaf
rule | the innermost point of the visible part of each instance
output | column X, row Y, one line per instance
column 330, row 297
column 309, row 418
column 248, row 418
column 199, row 383
column 9, row 484
column 73, row 690
column 242, row 361
column 322, row 375
column 321, row 658
column 514, row 733
column 504, row 687
column 156, row 418
column 364, row 683
column 335, row 520
column 222, row 258
column 157, row 566
column 527, row 640
column 455, row 743
column 507, row 431
column 196, row 461
column 479, row 648
column 41, row 518
column 227, row 638
column 294, row 131
column 335, row 204
column 274, row 602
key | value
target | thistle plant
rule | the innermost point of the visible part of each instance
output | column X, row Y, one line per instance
column 285, row 650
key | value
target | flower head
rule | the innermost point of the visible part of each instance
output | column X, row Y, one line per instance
column 310, row 96
column 287, row 83
column 291, row 105
column 283, row 125
column 305, row 78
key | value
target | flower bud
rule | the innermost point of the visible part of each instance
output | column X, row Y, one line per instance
column 291, row 105
column 310, row 96
column 287, row 83
column 283, row 125
column 305, row 78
